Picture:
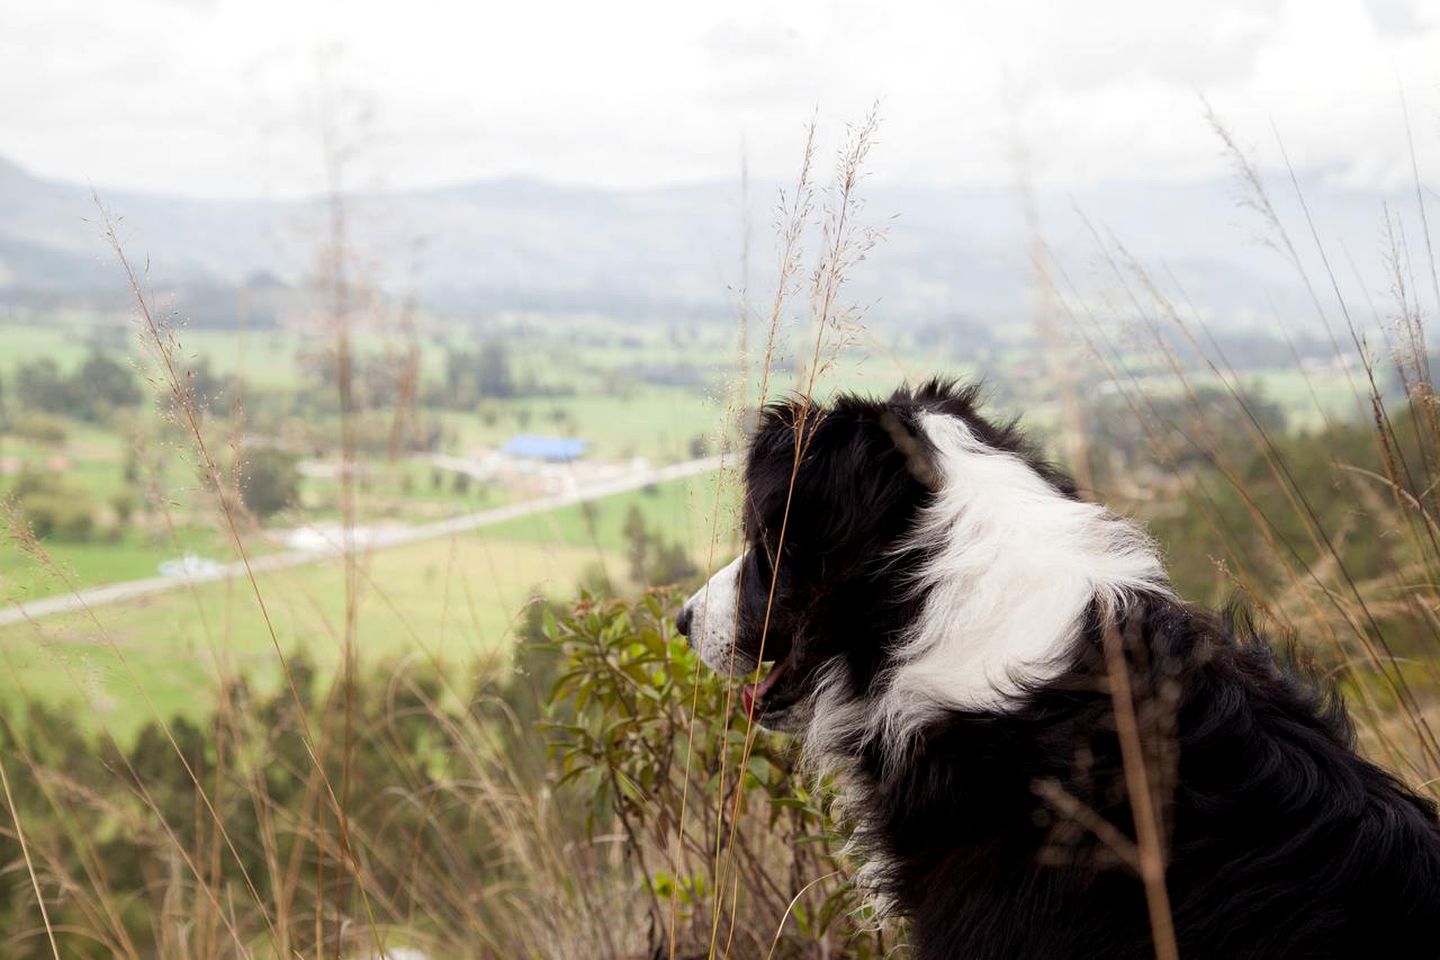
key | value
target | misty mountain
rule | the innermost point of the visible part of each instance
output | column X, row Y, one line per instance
column 525, row 244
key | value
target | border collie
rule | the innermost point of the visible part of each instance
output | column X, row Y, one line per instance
column 938, row 606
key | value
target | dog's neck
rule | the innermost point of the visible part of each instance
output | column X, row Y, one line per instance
column 1008, row 569
column 971, row 787
column 1013, row 565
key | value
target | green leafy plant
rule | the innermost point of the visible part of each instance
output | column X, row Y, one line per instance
column 730, row 846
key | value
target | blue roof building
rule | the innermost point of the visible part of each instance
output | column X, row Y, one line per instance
column 533, row 446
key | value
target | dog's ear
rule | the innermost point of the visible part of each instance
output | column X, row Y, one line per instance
column 861, row 434
column 780, row 422
column 859, row 464
column 919, row 459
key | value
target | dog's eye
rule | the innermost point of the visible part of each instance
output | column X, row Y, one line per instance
column 758, row 559
column 762, row 555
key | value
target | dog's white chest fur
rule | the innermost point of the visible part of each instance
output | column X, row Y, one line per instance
column 1013, row 566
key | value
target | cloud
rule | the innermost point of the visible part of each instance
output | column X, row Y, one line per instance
column 764, row 38
column 218, row 97
column 1394, row 18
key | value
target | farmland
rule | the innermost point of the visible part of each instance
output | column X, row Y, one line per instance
column 454, row 599
column 606, row 382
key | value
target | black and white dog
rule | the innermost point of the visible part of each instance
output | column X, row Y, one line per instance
column 936, row 602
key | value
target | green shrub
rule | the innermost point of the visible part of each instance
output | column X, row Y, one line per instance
column 40, row 428
column 53, row 508
column 269, row 482
column 59, row 517
column 123, row 503
column 92, row 392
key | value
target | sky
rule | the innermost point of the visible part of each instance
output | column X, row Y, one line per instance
column 231, row 98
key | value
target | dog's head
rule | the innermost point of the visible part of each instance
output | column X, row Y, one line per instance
column 828, row 589
column 903, row 555
column 828, row 496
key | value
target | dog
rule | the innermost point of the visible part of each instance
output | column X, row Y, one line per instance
column 948, row 626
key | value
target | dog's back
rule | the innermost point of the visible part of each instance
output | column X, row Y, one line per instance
column 1280, row 841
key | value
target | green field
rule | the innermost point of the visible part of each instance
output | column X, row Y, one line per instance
column 657, row 423
column 56, row 340
column 78, row 565
column 1308, row 399
column 447, row 601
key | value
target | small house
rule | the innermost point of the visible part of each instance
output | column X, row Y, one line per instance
column 531, row 446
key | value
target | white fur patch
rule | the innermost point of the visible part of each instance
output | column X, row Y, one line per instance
column 713, row 610
column 1014, row 565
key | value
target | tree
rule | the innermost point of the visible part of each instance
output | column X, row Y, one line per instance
column 41, row 385
column 472, row 377
column 100, row 385
column 652, row 561
column 637, row 540
column 492, row 373
column 205, row 386
column 4, row 419
column 103, row 383
column 671, row 565
column 460, row 391
column 1186, row 431
column 590, row 516
column 269, row 482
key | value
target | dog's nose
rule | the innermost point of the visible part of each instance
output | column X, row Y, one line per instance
column 682, row 620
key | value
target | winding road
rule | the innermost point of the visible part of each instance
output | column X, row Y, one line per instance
column 378, row 540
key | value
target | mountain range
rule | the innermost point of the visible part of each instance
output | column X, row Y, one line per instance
column 518, row 244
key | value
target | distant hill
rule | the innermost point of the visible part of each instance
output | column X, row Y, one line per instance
column 507, row 244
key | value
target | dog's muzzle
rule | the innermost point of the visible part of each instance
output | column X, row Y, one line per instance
column 709, row 619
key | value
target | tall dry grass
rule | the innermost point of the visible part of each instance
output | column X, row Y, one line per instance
column 390, row 806
column 402, row 805
column 1286, row 551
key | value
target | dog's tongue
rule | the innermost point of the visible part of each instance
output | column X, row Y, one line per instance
column 753, row 694
column 747, row 696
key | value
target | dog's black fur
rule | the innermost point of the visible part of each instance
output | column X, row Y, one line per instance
column 1280, row 840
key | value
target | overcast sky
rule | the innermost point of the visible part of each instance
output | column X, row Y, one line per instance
column 217, row 97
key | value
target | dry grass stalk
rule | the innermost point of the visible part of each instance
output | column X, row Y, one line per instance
column 1150, row 849
column 844, row 242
